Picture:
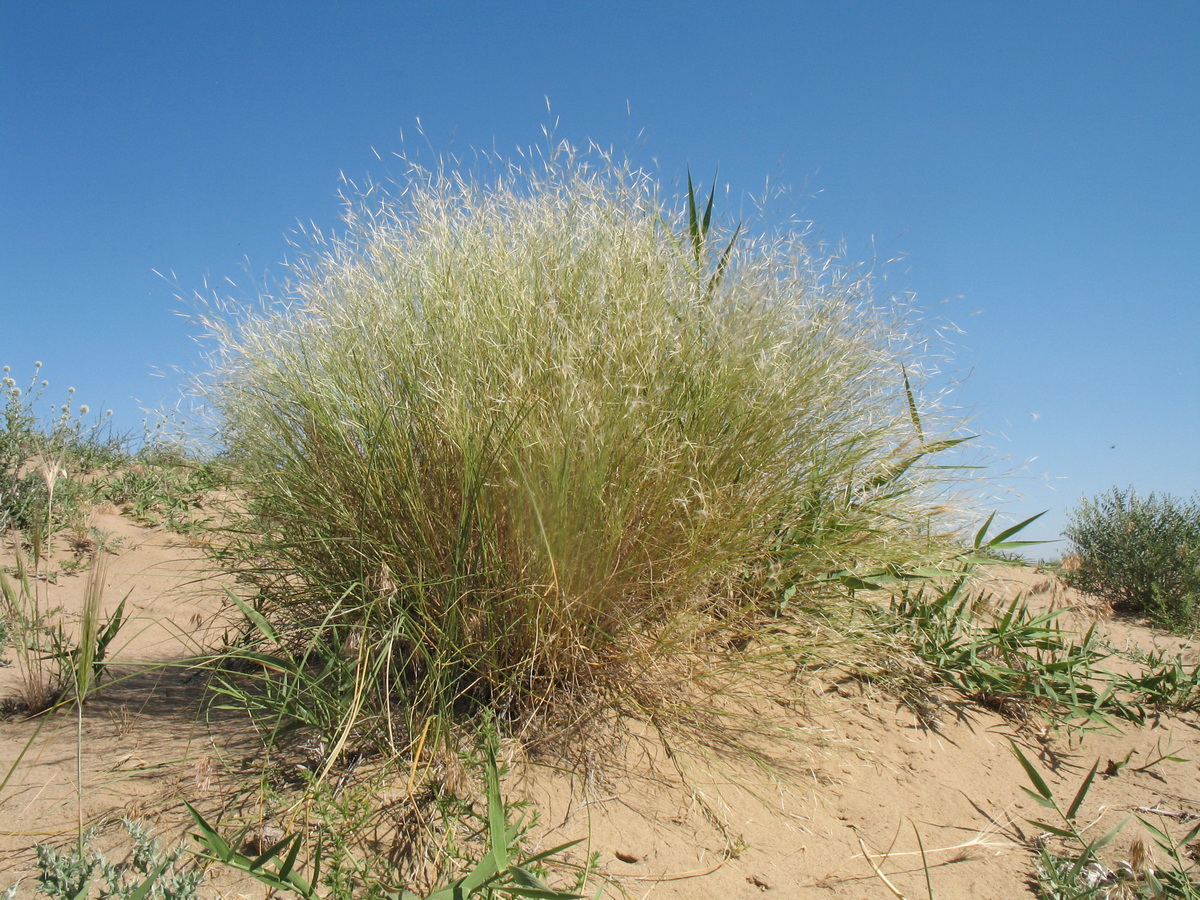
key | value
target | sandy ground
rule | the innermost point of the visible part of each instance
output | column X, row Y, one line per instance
column 844, row 814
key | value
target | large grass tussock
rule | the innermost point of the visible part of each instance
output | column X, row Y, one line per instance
column 507, row 435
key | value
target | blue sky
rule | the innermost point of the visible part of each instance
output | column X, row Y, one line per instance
column 1034, row 166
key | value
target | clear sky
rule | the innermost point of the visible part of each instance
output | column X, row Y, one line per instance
column 1034, row 166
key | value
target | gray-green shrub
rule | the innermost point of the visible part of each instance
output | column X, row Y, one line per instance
column 1140, row 553
column 517, row 440
column 149, row 872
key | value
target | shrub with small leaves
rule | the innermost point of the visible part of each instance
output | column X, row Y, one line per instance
column 147, row 874
column 1142, row 554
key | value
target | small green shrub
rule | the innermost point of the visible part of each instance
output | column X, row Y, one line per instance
column 55, row 663
column 1140, row 553
column 22, row 493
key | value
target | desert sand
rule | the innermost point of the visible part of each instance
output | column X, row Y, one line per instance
column 839, row 816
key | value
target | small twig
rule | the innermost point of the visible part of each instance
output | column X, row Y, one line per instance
column 879, row 872
column 977, row 841
column 598, row 801
column 678, row 876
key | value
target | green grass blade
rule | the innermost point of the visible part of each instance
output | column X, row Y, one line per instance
column 16, row 763
column 982, row 533
column 723, row 263
column 1190, row 836
column 1082, row 792
column 541, row 893
column 1112, row 833
column 143, row 890
column 1155, row 885
column 209, row 837
column 1047, row 802
column 497, row 821
column 110, row 630
column 287, row 870
column 1052, row 829
column 256, row 618
column 553, row 851
column 278, row 664
column 292, row 840
column 1000, row 539
column 912, row 405
column 694, row 222
column 1034, row 776
column 924, row 862
column 708, row 209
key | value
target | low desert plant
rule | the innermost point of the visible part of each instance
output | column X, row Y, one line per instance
column 1163, row 680
column 1070, row 866
column 499, row 869
column 147, row 873
column 55, row 663
column 1027, row 666
column 30, row 622
column 506, row 442
column 166, row 489
column 22, row 492
column 1018, row 662
column 42, row 455
column 1022, row 663
column 1140, row 553
column 1075, row 871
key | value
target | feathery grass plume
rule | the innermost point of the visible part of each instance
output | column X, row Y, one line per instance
column 505, row 444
